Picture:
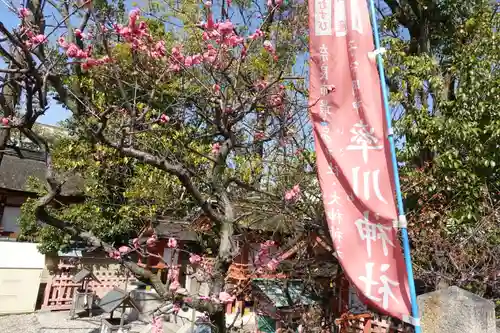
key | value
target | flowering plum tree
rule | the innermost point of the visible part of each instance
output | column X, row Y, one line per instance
column 212, row 113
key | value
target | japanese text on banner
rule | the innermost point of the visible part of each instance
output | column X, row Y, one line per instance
column 353, row 168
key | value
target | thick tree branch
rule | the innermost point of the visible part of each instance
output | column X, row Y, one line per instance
column 41, row 213
column 174, row 169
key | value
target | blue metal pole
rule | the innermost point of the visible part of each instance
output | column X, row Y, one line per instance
column 399, row 198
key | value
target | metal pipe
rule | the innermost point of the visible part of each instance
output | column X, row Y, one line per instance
column 399, row 198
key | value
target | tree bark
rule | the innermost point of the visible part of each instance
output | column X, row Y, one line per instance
column 9, row 99
column 219, row 321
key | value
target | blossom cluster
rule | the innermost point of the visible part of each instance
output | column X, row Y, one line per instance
column 150, row 242
column 263, row 255
column 173, row 277
column 157, row 325
column 136, row 34
column 293, row 194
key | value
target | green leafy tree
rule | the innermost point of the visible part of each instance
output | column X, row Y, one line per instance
column 443, row 72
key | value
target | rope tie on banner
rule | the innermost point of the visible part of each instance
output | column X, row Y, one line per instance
column 373, row 55
column 401, row 222
column 411, row 320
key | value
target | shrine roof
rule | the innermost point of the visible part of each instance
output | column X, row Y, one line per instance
column 18, row 166
column 284, row 293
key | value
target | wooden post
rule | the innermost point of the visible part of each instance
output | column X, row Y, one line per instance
column 368, row 326
column 122, row 318
column 229, row 308
column 3, row 199
column 241, row 306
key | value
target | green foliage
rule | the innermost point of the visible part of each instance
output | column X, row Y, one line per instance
column 51, row 239
column 123, row 194
column 445, row 87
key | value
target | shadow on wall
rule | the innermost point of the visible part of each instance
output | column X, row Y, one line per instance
column 41, row 293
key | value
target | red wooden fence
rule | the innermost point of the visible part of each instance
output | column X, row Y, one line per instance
column 60, row 288
column 371, row 324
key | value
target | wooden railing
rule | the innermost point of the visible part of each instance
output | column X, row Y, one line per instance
column 370, row 323
column 60, row 288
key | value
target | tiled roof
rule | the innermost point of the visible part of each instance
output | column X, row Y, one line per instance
column 17, row 168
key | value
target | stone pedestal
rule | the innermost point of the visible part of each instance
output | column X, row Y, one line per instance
column 454, row 310
column 82, row 301
column 113, row 326
column 147, row 302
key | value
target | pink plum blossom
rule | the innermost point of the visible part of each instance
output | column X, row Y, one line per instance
column 216, row 148
column 293, row 194
column 157, row 325
column 257, row 34
column 5, row 121
column 226, row 28
column 264, row 252
column 224, row 297
column 135, row 243
column 173, row 273
column 73, row 51
column 188, row 62
column 159, row 50
column 273, row 264
column 216, row 88
column 277, row 3
column 89, row 63
column 133, row 15
column 194, row 259
column 36, row 40
column 24, row 12
column 268, row 46
column 174, row 285
column 164, row 119
column 177, row 59
column 152, row 240
column 62, row 42
column 114, row 254
column 78, row 33
column 124, row 249
column 267, row 244
column 210, row 56
column 172, row 243
column 259, row 135
column 234, row 40
column 261, row 84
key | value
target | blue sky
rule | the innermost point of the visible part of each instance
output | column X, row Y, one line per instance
column 56, row 113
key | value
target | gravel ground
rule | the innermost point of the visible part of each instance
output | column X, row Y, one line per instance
column 53, row 322
column 59, row 322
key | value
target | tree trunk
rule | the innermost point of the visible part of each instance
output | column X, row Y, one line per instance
column 219, row 321
column 4, row 138
column 9, row 99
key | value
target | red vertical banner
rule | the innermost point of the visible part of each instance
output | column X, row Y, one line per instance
column 353, row 154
